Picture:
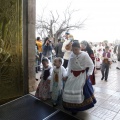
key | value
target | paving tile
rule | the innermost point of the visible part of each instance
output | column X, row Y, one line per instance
column 104, row 90
column 103, row 113
column 117, row 94
column 113, row 106
column 108, row 119
column 117, row 117
column 114, row 99
column 114, row 86
column 119, row 112
column 99, row 101
column 33, row 93
column 86, row 116
column 90, row 110
column 102, row 95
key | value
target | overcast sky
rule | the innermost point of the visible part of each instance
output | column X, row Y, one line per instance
column 103, row 21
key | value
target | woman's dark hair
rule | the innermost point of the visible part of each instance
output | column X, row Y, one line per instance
column 106, row 47
column 38, row 38
column 47, row 38
column 76, row 44
column 59, row 40
column 45, row 59
column 88, row 48
column 67, row 33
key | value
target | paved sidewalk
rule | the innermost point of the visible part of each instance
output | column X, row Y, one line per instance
column 107, row 95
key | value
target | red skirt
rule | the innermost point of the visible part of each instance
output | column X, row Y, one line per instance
column 92, row 78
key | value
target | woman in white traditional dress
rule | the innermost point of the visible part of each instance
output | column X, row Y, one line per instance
column 99, row 52
column 100, row 49
column 78, row 94
column 98, row 61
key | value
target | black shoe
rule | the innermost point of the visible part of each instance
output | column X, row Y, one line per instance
column 54, row 104
column 106, row 80
column 102, row 78
column 36, row 71
column 118, row 68
column 74, row 113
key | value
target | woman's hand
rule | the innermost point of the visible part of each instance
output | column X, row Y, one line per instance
column 47, row 42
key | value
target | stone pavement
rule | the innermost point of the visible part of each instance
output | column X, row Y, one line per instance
column 107, row 95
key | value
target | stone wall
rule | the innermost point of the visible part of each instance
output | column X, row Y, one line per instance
column 31, row 43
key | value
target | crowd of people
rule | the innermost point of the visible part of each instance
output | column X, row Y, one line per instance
column 68, row 70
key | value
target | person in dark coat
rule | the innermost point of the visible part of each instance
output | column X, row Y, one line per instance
column 58, row 49
column 47, row 48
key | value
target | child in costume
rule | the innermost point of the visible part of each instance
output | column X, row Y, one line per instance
column 57, row 80
column 43, row 89
column 105, row 63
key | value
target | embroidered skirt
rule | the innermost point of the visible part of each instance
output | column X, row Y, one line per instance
column 88, row 96
column 43, row 90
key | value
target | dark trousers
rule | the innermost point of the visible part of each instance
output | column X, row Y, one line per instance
column 105, row 70
column 39, row 62
column 65, row 64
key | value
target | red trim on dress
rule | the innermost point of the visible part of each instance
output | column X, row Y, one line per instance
column 77, row 73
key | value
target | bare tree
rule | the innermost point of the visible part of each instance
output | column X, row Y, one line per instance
column 54, row 25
